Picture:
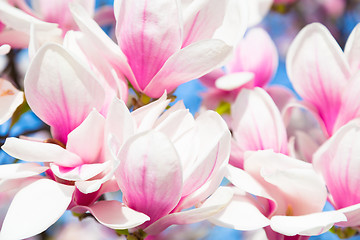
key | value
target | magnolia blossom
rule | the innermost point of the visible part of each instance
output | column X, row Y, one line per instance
column 159, row 50
column 326, row 77
column 280, row 193
column 256, row 124
column 253, row 65
column 10, row 97
column 338, row 161
column 152, row 151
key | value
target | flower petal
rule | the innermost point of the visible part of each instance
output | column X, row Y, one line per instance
column 242, row 213
column 148, row 163
column 338, row 160
column 88, row 138
column 20, row 170
column 352, row 49
column 210, row 207
column 5, row 49
column 352, row 214
column 35, row 208
column 40, row 152
column 10, row 99
column 257, row 123
column 148, row 35
column 318, row 71
column 66, row 100
column 201, row 19
column 234, row 80
column 116, row 215
column 189, row 63
column 308, row 225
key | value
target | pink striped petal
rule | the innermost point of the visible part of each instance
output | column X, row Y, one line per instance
column 256, row 53
column 318, row 71
column 201, row 19
column 148, row 35
column 352, row 49
column 213, row 205
column 116, row 215
column 350, row 107
column 80, row 173
column 148, row 163
column 35, row 208
column 66, row 100
column 257, row 123
column 337, row 160
column 189, row 63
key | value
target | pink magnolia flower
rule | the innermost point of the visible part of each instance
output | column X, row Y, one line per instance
column 159, row 50
column 68, row 97
column 253, row 65
column 338, row 161
column 152, row 151
column 10, row 97
column 280, row 193
column 256, row 124
column 325, row 76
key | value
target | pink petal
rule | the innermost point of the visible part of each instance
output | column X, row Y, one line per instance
column 189, row 63
column 318, row 71
column 88, row 138
column 10, row 99
column 352, row 49
column 337, row 160
column 242, row 213
column 116, row 215
column 280, row 94
column 256, row 53
column 35, row 208
column 66, row 100
column 148, row 36
column 209, row 208
column 308, row 225
column 148, row 163
column 350, row 107
column 201, row 20
column 257, row 123
column 16, row 39
column 20, row 170
column 40, row 152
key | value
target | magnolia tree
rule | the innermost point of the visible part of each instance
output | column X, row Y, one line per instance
column 118, row 148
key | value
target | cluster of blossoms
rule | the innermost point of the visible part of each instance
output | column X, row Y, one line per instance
column 113, row 129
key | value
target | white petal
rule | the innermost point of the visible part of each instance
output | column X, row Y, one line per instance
column 308, row 225
column 39, row 152
column 5, row 49
column 116, row 215
column 35, row 208
column 233, row 81
column 20, row 170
